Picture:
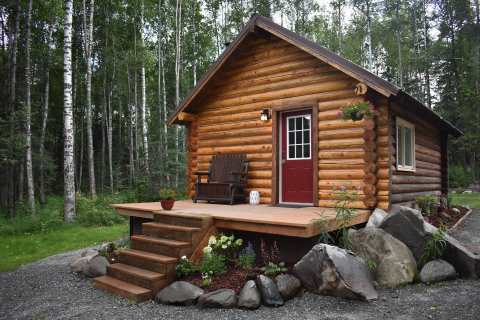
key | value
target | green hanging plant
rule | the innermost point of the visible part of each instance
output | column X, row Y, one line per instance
column 358, row 111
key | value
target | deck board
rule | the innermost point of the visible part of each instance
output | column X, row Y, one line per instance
column 302, row 222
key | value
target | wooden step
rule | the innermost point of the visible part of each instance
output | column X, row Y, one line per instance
column 169, row 231
column 122, row 288
column 147, row 260
column 182, row 219
column 138, row 276
column 161, row 246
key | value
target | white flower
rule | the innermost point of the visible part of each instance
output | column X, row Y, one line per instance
column 212, row 240
column 207, row 250
column 223, row 238
column 224, row 246
column 184, row 258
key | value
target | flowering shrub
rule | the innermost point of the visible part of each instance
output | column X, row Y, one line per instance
column 273, row 269
column 213, row 264
column 246, row 257
column 185, row 268
column 223, row 245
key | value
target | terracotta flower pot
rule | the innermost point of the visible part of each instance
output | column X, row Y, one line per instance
column 167, row 204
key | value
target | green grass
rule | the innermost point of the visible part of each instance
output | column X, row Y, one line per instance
column 23, row 248
column 472, row 199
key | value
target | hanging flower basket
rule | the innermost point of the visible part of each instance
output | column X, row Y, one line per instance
column 357, row 112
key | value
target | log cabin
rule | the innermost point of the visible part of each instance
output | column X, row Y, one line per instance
column 275, row 97
column 301, row 151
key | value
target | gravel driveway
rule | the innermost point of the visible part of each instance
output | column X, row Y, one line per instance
column 47, row 290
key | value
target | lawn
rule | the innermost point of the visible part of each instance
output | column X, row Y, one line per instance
column 23, row 248
column 470, row 199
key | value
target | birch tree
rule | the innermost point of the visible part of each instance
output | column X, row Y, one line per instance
column 143, row 92
column 162, row 92
column 46, row 96
column 68, row 137
column 28, row 115
column 178, row 26
column 87, row 43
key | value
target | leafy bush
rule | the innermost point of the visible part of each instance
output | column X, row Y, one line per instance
column 185, row 268
column 97, row 212
column 246, row 258
column 273, row 269
column 213, row 264
column 223, row 245
column 459, row 177
column 435, row 246
column 427, row 203
column 344, row 214
column 144, row 192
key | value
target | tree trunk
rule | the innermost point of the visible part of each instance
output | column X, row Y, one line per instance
column 144, row 98
column 426, row 54
column 178, row 26
column 28, row 114
column 399, row 43
column 12, row 105
column 131, row 150
column 46, row 97
column 135, row 93
column 88, row 57
column 68, row 150
column 109, row 128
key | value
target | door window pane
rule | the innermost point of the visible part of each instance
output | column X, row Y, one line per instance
column 405, row 145
column 298, row 125
column 306, row 136
column 408, row 146
column 306, row 151
column 299, row 137
column 291, row 124
column 291, row 152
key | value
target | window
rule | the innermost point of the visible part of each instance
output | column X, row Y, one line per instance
column 405, row 145
column 298, row 137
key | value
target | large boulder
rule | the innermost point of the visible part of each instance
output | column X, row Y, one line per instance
column 288, row 285
column 223, row 298
column 179, row 293
column 249, row 297
column 376, row 218
column 96, row 266
column 392, row 261
column 90, row 264
column 407, row 225
column 436, row 271
column 329, row 270
column 269, row 291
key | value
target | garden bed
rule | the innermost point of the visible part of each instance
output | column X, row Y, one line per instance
column 448, row 218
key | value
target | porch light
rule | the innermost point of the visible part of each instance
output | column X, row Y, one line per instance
column 265, row 115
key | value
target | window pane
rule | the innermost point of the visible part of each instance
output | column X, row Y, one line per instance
column 291, row 124
column 306, row 123
column 401, row 146
column 299, row 137
column 306, row 136
column 299, row 151
column 299, row 123
column 291, row 138
column 291, row 152
column 306, row 151
column 408, row 146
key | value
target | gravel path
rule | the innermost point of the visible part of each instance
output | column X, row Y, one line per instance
column 47, row 290
column 468, row 232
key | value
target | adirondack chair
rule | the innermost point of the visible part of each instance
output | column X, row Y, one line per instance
column 226, row 179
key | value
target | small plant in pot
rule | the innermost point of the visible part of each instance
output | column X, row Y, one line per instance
column 167, row 198
column 358, row 111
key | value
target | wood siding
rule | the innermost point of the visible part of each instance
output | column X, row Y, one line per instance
column 427, row 177
column 383, row 155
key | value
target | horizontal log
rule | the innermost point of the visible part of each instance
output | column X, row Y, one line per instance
column 404, row 197
column 259, row 183
column 341, row 143
column 326, row 86
column 401, row 179
column 417, row 172
column 233, row 126
column 332, row 204
column 425, row 158
column 382, row 184
column 367, row 167
column 279, row 85
column 308, row 98
column 383, row 205
column 338, row 104
column 264, row 192
column 236, row 141
column 260, row 174
column 409, row 188
column 383, row 173
column 346, row 154
column 259, row 165
column 344, row 124
column 341, row 174
column 235, row 133
column 329, row 115
column 427, row 165
column 427, row 151
column 382, row 131
column 187, row 117
column 337, row 184
column 341, row 133
column 264, row 148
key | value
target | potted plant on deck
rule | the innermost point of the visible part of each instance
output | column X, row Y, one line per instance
column 167, row 198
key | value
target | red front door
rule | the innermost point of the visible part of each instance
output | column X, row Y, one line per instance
column 296, row 157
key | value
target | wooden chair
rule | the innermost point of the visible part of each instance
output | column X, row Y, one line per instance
column 226, row 179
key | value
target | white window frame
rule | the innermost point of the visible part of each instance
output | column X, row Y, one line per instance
column 404, row 123
column 310, row 140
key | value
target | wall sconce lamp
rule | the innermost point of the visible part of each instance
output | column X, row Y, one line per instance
column 265, row 115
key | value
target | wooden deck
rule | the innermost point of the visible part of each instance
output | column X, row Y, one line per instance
column 303, row 222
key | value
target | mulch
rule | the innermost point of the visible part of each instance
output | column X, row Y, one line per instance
column 232, row 279
column 447, row 218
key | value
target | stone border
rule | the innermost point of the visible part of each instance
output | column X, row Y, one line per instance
column 455, row 226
